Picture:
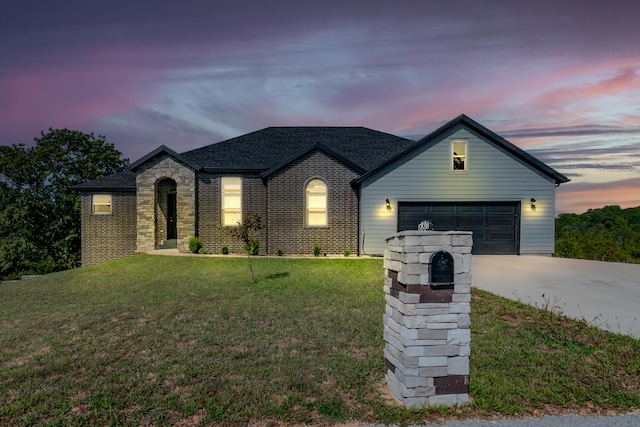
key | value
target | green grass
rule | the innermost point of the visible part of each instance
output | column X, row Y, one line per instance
column 154, row 340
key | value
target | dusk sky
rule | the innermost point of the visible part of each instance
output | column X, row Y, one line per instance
column 559, row 79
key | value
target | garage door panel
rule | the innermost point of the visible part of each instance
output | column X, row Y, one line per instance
column 508, row 221
column 472, row 208
column 443, row 222
column 494, row 224
column 500, row 236
column 472, row 221
column 412, row 208
column 501, row 209
column 478, row 235
column 442, row 209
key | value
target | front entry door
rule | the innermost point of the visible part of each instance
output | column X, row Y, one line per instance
column 172, row 223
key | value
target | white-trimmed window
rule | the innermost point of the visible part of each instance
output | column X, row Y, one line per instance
column 231, row 198
column 316, row 203
column 459, row 155
column 101, row 204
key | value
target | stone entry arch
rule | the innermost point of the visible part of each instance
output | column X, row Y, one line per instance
column 157, row 178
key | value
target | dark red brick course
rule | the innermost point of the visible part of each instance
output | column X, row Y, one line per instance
column 428, row 293
column 452, row 384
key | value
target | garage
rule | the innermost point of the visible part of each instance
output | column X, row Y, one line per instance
column 495, row 225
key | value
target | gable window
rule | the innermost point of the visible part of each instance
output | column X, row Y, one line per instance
column 231, row 198
column 459, row 155
column 316, row 203
column 101, row 204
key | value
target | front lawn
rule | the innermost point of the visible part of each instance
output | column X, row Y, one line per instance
column 153, row 340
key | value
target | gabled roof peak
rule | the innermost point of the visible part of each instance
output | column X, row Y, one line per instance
column 164, row 149
column 309, row 148
column 264, row 149
column 465, row 121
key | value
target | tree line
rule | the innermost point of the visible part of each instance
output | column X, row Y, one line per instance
column 39, row 213
column 607, row 234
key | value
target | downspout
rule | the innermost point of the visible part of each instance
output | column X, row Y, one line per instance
column 266, row 220
column 358, row 243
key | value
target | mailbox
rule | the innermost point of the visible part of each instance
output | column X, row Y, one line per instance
column 441, row 269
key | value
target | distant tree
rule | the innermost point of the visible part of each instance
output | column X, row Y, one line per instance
column 39, row 213
column 244, row 233
column 606, row 234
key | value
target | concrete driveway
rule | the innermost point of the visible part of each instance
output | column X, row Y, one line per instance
column 605, row 294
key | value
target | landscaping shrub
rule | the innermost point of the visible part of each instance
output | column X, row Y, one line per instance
column 195, row 244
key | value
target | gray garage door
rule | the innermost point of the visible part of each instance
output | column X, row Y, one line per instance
column 494, row 224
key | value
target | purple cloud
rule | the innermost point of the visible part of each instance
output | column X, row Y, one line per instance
column 186, row 74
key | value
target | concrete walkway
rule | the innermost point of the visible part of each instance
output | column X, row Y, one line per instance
column 627, row 420
column 606, row 295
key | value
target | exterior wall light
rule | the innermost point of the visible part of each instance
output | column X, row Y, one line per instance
column 534, row 202
column 388, row 203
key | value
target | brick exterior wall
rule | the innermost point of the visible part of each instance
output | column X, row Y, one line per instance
column 280, row 202
column 108, row 237
column 148, row 176
column 286, row 189
column 210, row 231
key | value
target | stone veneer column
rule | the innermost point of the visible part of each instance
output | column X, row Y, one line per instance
column 148, row 175
column 426, row 327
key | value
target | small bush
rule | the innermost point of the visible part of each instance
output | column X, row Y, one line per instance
column 243, row 233
column 202, row 251
column 252, row 246
column 346, row 252
column 225, row 249
column 195, row 244
column 279, row 252
column 316, row 250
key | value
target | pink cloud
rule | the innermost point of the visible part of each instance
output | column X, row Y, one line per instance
column 581, row 197
column 72, row 96
column 580, row 99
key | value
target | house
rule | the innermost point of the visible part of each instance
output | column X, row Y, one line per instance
column 342, row 188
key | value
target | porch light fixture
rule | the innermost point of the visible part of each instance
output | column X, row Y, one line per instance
column 534, row 202
column 388, row 204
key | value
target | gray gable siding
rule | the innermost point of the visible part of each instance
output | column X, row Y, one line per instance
column 425, row 175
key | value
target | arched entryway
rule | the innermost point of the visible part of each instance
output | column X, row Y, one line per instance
column 159, row 181
column 166, row 214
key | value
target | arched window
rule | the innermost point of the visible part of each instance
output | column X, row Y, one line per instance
column 316, row 203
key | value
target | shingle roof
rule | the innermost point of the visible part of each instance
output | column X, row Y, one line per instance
column 123, row 181
column 266, row 148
